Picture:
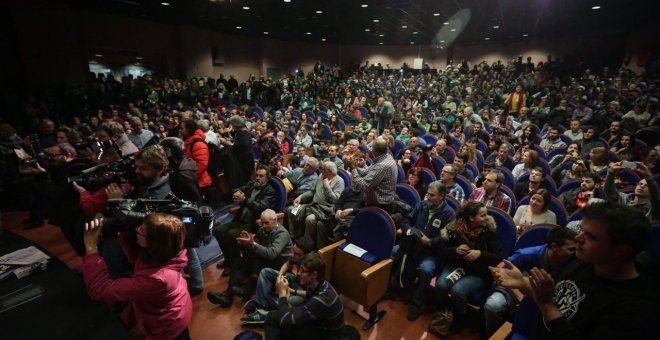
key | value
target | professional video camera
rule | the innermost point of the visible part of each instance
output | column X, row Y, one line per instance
column 99, row 176
column 98, row 147
column 129, row 213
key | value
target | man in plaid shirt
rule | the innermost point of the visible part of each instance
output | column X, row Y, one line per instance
column 447, row 176
column 490, row 194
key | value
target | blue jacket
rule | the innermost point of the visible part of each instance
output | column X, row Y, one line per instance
column 528, row 258
column 418, row 218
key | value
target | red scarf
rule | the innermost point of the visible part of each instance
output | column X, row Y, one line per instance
column 519, row 104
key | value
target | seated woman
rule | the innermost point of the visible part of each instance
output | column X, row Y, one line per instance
column 405, row 162
column 528, row 161
column 536, row 212
column 424, row 160
column 597, row 159
column 469, row 246
column 157, row 293
column 415, row 181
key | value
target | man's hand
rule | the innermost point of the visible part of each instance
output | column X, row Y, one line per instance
column 296, row 200
column 349, row 162
column 239, row 196
column 463, row 249
column 472, row 255
column 282, row 286
column 92, row 235
column 542, row 286
column 245, row 238
column 77, row 187
column 642, row 170
column 426, row 241
column 326, row 183
column 509, row 278
column 615, row 166
column 114, row 191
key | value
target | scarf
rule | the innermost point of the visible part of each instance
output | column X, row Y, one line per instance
column 519, row 101
column 467, row 234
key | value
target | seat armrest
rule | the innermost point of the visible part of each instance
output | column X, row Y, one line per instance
column 280, row 218
column 374, row 271
column 328, row 254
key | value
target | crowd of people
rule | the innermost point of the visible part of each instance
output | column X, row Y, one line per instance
column 488, row 136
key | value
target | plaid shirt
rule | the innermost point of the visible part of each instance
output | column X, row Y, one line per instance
column 456, row 192
column 501, row 200
column 377, row 182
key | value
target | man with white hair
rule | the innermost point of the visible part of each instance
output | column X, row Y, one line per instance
column 317, row 204
column 378, row 181
column 139, row 136
column 470, row 118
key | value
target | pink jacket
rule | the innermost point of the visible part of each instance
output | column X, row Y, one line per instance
column 158, row 295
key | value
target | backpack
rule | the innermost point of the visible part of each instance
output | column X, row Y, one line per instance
column 214, row 167
column 408, row 258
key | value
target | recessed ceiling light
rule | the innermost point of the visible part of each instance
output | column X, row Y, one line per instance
column 415, row 32
column 496, row 26
column 436, row 14
column 165, row 3
column 453, row 30
column 239, row 27
column 442, row 41
column 412, row 43
column 98, row 55
column 381, row 35
column 365, row 5
column 525, row 35
column 367, row 30
column 319, row 12
column 404, row 26
column 486, row 38
column 266, row 33
column 138, row 58
column 446, row 23
column 380, row 43
column 309, row 33
column 595, row 7
column 287, row 0
column 323, row 39
column 246, row 7
column 376, row 20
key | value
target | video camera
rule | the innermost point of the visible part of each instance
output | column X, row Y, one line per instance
column 98, row 147
column 99, row 176
column 129, row 214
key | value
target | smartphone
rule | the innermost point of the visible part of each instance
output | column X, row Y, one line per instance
column 629, row 165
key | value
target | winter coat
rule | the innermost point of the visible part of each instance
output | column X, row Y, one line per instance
column 200, row 154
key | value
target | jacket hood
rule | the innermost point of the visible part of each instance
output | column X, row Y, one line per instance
column 453, row 226
column 199, row 134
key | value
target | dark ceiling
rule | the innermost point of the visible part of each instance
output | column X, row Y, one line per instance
column 391, row 22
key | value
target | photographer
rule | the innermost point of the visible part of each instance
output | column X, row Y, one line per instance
column 114, row 131
column 158, row 299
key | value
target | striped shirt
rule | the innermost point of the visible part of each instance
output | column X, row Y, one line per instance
column 322, row 308
column 378, row 181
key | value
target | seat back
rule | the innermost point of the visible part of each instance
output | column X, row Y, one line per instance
column 400, row 175
column 465, row 184
column 398, row 146
column 428, row 176
column 506, row 230
column 452, row 203
column 280, row 194
column 555, row 152
column 568, row 185
column 438, row 163
column 532, row 237
column 326, row 133
column 373, row 230
column 455, row 143
column 408, row 194
column 524, row 321
column 505, row 190
column 345, row 176
column 473, row 167
column 575, row 216
column 430, row 139
column 508, row 177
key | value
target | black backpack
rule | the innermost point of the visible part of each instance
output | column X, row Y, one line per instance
column 214, row 168
column 407, row 260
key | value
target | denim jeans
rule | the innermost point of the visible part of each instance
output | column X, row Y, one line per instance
column 194, row 269
column 494, row 309
column 266, row 287
column 460, row 290
column 427, row 268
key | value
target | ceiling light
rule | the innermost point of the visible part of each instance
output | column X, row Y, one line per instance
column 453, row 30
column 446, row 23
column 239, row 27
column 376, row 20
column 436, row 14
column 525, row 35
column 415, row 32
column 404, row 26
column 165, row 3
column 287, row 0
column 367, row 30
column 380, row 43
column 486, row 38
column 309, row 33
column 381, row 35
column 442, row 41
column 319, row 12
column 98, row 55
column 496, row 26
column 595, row 7
column 266, row 33
column 365, row 5
column 323, row 39
column 138, row 58
column 246, row 8
column 412, row 43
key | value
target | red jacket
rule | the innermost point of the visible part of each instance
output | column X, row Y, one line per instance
column 200, row 154
column 158, row 295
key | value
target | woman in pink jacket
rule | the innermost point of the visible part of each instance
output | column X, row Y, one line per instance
column 157, row 292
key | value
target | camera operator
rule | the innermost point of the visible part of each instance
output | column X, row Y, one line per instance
column 16, row 178
column 114, row 131
column 62, row 201
column 183, row 171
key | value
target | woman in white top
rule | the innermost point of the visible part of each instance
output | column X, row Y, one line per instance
column 536, row 212
column 529, row 160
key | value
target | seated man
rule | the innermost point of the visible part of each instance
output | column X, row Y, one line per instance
column 560, row 248
column 577, row 198
column 253, row 198
column 322, row 315
column 523, row 188
column 490, row 195
column 332, row 156
column 646, row 197
column 269, row 248
column 447, row 177
column 552, row 140
column 601, row 294
column 460, row 162
column 265, row 300
column 503, row 158
column 302, row 179
column 428, row 217
column 316, row 204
